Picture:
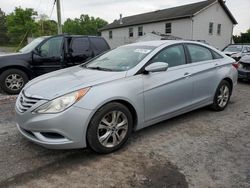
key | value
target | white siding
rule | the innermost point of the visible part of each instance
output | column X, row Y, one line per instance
column 180, row 28
column 217, row 15
column 183, row 28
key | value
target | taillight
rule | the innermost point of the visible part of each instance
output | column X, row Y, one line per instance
column 236, row 65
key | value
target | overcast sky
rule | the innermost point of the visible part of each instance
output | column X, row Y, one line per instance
column 110, row 9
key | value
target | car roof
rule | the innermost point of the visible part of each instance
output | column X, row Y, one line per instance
column 157, row 43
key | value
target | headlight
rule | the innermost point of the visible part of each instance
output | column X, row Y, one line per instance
column 61, row 103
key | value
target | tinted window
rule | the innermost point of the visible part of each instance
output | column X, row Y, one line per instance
column 79, row 45
column 199, row 53
column 174, row 56
column 99, row 44
column 52, row 47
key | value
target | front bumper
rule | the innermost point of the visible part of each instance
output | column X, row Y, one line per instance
column 65, row 130
column 243, row 74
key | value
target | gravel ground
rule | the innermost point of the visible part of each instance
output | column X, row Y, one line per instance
column 198, row 149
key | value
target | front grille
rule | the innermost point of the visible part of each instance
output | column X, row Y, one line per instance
column 246, row 66
column 24, row 102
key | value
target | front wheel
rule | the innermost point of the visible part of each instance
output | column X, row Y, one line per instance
column 13, row 80
column 110, row 128
column 222, row 96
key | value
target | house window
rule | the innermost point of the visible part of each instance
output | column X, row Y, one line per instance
column 219, row 29
column 140, row 31
column 211, row 28
column 131, row 32
column 168, row 28
column 110, row 34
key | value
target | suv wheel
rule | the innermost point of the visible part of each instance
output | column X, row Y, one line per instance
column 222, row 96
column 110, row 128
column 13, row 80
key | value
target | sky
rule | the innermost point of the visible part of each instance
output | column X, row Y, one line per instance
column 110, row 10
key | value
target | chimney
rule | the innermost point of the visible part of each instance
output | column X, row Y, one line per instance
column 121, row 19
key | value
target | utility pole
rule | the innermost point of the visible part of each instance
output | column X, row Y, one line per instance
column 59, row 20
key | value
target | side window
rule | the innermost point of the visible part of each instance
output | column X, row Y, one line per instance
column 79, row 45
column 174, row 56
column 99, row 44
column 199, row 53
column 52, row 47
column 216, row 55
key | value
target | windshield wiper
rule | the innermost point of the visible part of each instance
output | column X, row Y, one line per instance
column 99, row 68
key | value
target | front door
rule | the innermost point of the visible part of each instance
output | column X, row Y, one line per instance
column 48, row 57
column 169, row 91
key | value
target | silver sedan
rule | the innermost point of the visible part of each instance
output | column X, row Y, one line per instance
column 99, row 103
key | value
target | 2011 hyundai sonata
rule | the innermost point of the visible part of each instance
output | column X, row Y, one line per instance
column 98, row 104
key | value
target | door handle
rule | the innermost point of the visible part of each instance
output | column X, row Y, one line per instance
column 216, row 65
column 187, row 74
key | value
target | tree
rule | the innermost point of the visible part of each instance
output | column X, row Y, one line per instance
column 46, row 27
column 3, row 28
column 84, row 25
column 21, row 24
column 243, row 37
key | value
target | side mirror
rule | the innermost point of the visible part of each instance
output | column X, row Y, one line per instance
column 36, row 51
column 157, row 67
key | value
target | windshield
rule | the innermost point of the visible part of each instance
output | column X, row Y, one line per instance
column 233, row 48
column 120, row 59
column 28, row 48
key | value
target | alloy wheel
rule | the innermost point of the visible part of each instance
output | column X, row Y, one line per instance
column 223, row 96
column 112, row 129
column 14, row 82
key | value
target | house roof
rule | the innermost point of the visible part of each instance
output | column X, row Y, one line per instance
column 185, row 11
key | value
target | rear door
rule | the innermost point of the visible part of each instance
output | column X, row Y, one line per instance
column 169, row 91
column 79, row 51
column 205, row 64
column 48, row 56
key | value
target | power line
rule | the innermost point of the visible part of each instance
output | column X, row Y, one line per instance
column 52, row 9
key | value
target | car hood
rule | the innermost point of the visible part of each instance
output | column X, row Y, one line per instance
column 245, row 59
column 55, row 84
column 12, row 55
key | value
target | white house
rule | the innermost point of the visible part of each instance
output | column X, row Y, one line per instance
column 208, row 20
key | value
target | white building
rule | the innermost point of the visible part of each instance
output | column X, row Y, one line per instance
column 208, row 20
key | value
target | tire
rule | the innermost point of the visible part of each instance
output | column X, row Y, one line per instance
column 101, row 127
column 12, row 81
column 222, row 96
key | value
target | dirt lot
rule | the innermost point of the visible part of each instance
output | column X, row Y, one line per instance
column 198, row 149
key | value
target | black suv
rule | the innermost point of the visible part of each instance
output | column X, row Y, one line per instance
column 46, row 54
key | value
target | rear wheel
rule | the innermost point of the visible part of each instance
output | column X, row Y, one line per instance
column 13, row 80
column 222, row 96
column 110, row 128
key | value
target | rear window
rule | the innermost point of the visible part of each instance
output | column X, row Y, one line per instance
column 99, row 44
column 233, row 48
column 80, row 45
